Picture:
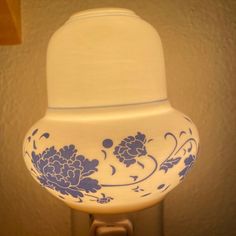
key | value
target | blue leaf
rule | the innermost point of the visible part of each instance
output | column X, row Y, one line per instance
column 134, row 177
column 34, row 132
column 169, row 163
column 144, row 195
column 113, row 169
column 105, row 154
column 34, row 145
column 45, row 135
column 89, row 185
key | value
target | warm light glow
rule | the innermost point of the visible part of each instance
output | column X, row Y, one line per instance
column 110, row 142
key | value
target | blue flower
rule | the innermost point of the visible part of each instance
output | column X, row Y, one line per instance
column 104, row 199
column 189, row 161
column 130, row 148
column 65, row 171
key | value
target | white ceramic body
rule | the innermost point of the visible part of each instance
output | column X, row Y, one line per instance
column 109, row 142
column 137, row 154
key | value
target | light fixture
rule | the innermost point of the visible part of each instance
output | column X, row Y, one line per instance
column 110, row 142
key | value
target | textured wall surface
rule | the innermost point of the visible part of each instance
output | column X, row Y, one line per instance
column 198, row 39
column 201, row 65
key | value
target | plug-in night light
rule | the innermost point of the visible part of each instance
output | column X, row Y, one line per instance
column 110, row 142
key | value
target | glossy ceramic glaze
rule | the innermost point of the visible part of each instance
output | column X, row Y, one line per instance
column 115, row 155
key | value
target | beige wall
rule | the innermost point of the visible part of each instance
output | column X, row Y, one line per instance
column 199, row 45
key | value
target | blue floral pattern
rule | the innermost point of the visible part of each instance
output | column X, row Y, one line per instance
column 169, row 163
column 180, row 151
column 189, row 161
column 104, row 199
column 65, row 171
column 130, row 148
column 70, row 173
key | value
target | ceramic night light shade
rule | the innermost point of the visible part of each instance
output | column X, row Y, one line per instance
column 109, row 142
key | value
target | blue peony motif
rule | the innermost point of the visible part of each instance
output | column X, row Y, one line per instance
column 130, row 148
column 65, row 171
column 189, row 161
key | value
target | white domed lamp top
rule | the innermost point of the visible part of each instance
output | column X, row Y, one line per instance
column 105, row 57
